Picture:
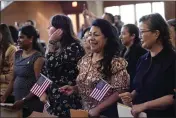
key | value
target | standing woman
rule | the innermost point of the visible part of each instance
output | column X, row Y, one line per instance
column 133, row 50
column 61, row 65
column 27, row 66
column 155, row 74
column 103, row 63
column 7, row 51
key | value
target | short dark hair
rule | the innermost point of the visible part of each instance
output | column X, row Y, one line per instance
column 32, row 22
column 87, row 29
column 111, row 17
column 172, row 22
column 156, row 22
column 118, row 16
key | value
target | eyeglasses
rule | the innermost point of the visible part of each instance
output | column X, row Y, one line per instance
column 143, row 31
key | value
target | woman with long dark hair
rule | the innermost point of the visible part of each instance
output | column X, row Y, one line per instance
column 61, row 65
column 27, row 66
column 103, row 65
column 7, row 51
column 155, row 73
column 133, row 50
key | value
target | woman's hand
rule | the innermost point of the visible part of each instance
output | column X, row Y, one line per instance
column 94, row 112
column 126, row 98
column 68, row 90
column 137, row 109
column 2, row 99
column 18, row 105
column 56, row 36
column 44, row 98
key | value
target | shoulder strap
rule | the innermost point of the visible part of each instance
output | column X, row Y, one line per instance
column 35, row 56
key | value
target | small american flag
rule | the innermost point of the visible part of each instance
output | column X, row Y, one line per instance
column 46, row 106
column 41, row 85
column 100, row 90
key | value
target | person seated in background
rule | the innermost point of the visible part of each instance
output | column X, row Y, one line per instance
column 85, row 41
column 172, row 26
column 7, row 51
column 14, row 33
column 103, row 64
column 27, row 66
column 118, row 22
column 154, row 81
column 30, row 22
column 133, row 50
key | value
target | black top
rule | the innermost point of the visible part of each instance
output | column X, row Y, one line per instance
column 61, row 68
column 155, row 79
column 132, row 56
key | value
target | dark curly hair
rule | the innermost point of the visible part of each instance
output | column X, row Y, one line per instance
column 111, row 49
column 156, row 22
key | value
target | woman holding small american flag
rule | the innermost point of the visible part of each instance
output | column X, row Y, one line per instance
column 102, row 74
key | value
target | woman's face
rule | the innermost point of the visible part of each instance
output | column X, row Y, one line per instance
column 86, row 43
column 23, row 41
column 148, row 38
column 172, row 33
column 125, row 36
column 97, row 39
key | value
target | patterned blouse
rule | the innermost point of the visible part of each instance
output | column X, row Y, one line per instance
column 89, row 77
column 61, row 68
column 6, row 67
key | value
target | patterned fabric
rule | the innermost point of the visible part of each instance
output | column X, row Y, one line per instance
column 89, row 76
column 6, row 67
column 61, row 68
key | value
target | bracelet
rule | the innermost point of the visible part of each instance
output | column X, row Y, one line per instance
column 24, row 99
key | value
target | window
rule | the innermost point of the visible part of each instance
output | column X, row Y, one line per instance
column 73, row 19
column 127, row 14
column 142, row 9
column 114, row 10
column 132, row 13
column 158, row 7
column 81, row 20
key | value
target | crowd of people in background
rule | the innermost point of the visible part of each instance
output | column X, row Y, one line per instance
column 138, row 63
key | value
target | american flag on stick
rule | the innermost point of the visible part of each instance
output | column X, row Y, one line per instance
column 46, row 106
column 41, row 85
column 100, row 90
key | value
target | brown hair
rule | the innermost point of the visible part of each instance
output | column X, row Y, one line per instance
column 6, row 39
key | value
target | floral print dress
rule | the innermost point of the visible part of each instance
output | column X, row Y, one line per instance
column 61, row 68
column 89, row 76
